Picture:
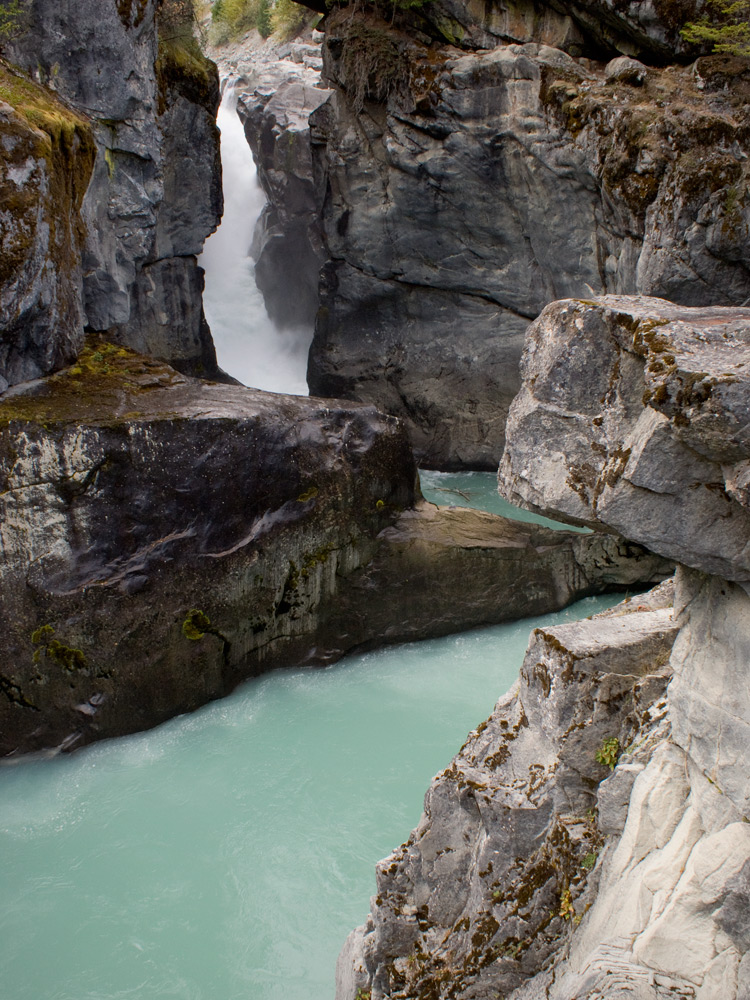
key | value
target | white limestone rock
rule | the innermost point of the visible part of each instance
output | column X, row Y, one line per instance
column 486, row 888
column 634, row 415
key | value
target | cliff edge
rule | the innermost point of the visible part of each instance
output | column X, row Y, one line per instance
column 590, row 840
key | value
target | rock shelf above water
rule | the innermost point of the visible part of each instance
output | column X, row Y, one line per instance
column 534, row 874
column 163, row 538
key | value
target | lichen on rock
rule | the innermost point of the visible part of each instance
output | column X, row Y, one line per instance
column 504, row 863
column 148, row 100
column 490, row 183
column 46, row 157
column 646, row 403
column 598, row 820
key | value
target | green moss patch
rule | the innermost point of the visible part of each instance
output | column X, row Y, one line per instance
column 65, row 656
column 182, row 67
column 93, row 389
column 60, row 141
column 39, row 107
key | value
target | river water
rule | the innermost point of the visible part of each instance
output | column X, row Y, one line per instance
column 226, row 854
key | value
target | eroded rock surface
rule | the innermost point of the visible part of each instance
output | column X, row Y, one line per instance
column 449, row 569
column 134, row 73
column 162, row 538
column 649, row 30
column 465, row 191
column 47, row 154
column 532, row 875
column 634, row 414
column 500, row 865
column 648, row 402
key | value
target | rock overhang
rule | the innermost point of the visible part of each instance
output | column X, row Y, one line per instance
column 633, row 416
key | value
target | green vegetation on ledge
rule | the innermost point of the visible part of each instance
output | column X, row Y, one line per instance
column 726, row 26
column 94, row 389
column 39, row 107
column 181, row 64
column 12, row 18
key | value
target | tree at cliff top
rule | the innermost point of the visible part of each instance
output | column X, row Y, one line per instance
column 288, row 18
column 12, row 15
column 232, row 18
column 728, row 30
column 177, row 16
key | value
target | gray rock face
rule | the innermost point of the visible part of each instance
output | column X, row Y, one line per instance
column 447, row 570
column 638, row 407
column 649, row 29
column 161, row 539
column 677, row 874
column 625, row 70
column 458, row 203
column 669, row 384
column 497, row 873
column 46, row 157
column 709, row 697
column 155, row 192
column 634, row 414
column 511, row 886
column 288, row 243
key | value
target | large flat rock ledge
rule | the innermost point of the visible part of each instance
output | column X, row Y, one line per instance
column 163, row 538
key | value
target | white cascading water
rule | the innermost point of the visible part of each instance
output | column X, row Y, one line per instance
column 248, row 345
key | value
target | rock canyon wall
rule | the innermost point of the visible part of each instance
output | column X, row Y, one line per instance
column 591, row 838
column 459, row 170
column 113, row 187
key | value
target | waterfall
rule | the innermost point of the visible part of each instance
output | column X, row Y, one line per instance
column 248, row 345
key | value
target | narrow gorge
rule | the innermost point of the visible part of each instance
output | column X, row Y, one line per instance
column 515, row 237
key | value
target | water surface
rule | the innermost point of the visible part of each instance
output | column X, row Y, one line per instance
column 228, row 853
column 479, row 490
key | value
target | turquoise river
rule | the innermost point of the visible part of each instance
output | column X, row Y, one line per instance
column 227, row 854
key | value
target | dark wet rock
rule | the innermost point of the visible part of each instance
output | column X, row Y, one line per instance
column 449, row 569
column 288, row 243
column 149, row 97
column 649, row 30
column 163, row 538
column 462, row 192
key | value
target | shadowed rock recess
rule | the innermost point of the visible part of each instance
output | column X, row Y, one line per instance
column 468, row 164
column 590, row 841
